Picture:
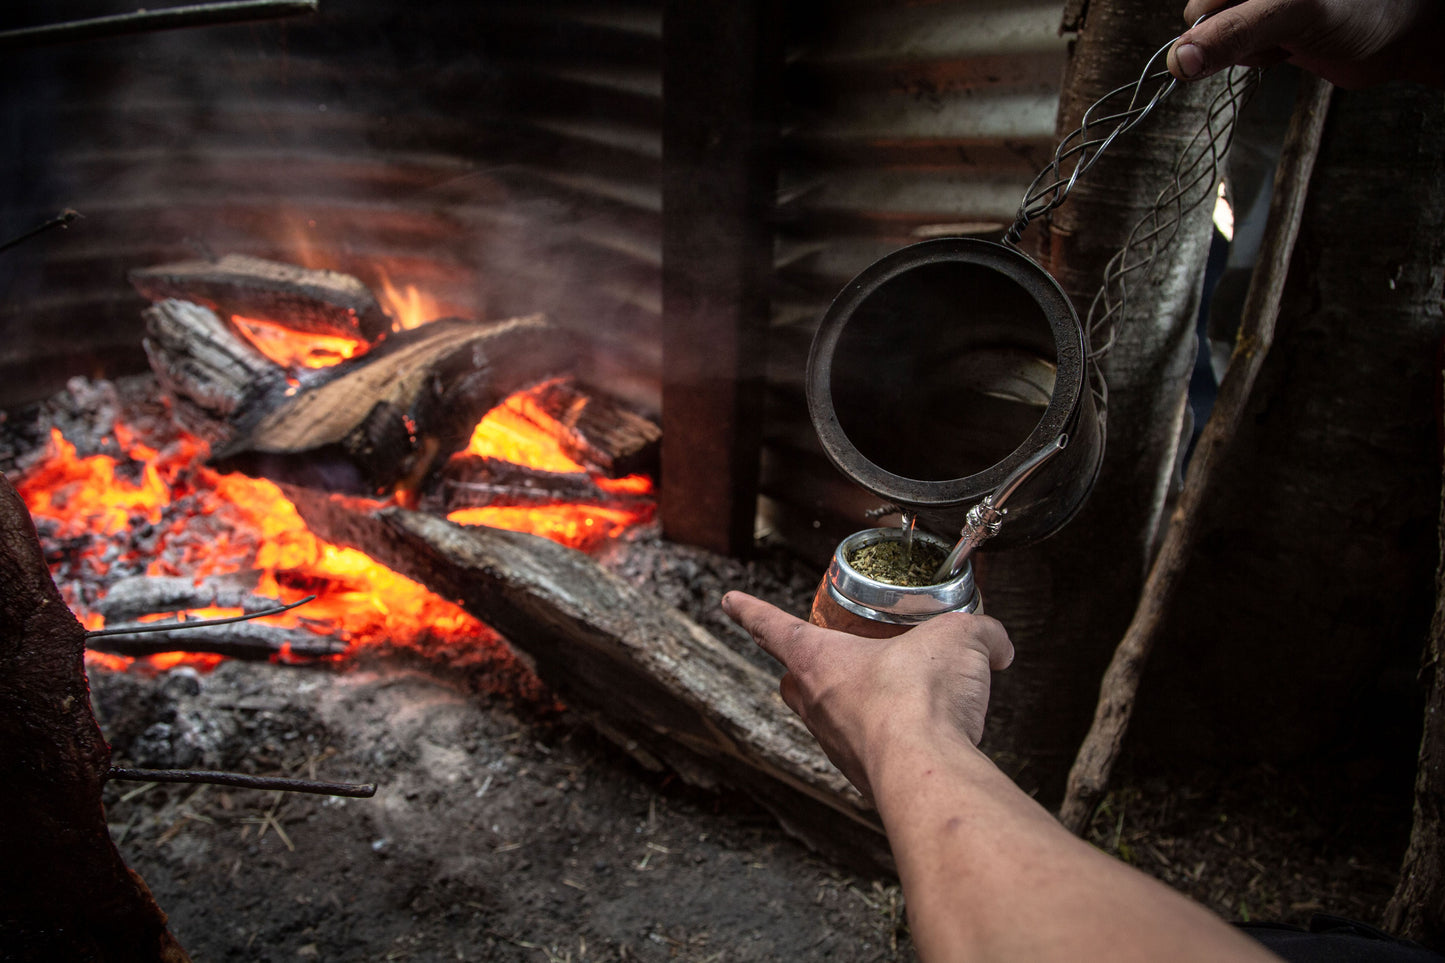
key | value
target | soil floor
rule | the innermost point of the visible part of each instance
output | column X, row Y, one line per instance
column 503, row 828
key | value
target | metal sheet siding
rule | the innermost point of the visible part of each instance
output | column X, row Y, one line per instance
column 905, row 121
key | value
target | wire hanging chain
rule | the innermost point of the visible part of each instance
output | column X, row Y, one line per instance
column 1196, row 178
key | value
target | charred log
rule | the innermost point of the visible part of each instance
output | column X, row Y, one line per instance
column 595, row 431
column 242, row 640
column 471, row 481
column 388, row 418
column 130, row 598
column 209, row 373
column 319, row 302
column 65, row 894
column 647, row 677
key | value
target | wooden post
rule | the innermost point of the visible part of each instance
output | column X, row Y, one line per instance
column 718, row 186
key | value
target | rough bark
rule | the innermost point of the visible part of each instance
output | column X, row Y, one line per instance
column 647, row 677
column 65, row 893
column 1298, row 631
column 1417, row 909
column 1089, row 777
column 1068, row 600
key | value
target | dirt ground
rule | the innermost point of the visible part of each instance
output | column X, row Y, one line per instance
column 504, row 829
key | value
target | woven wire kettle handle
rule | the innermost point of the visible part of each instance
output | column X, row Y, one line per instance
column 1113, row 114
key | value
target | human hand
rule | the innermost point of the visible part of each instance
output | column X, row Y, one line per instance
column 1352, row 43
column 859, row 696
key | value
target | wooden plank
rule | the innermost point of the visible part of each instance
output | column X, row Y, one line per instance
column 719, row 182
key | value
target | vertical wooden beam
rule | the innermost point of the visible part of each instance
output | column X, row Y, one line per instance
column 720, row 66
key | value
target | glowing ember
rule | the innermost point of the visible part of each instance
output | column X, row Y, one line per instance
column 230, row 523
column 164, row 512
column 298, row 349
column 505, row 434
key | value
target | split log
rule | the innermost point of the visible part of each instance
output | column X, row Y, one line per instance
column 318, row 302
column 239, row 640
column 471, row 481
column 390, row 417
column 647, row 677
column 209, row 373
column 595, row 431
column 65, row 892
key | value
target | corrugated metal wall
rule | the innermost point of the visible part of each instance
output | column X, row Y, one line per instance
column 905, row 121
column 502, row 157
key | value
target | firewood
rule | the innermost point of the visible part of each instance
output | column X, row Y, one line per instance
column 647, row 677
column 472, row 481
column 241, row 640
column 594, row 430
column 209, row 373
column 318, row 302
column 65, row 891
column 394, row 415
column 130, row 598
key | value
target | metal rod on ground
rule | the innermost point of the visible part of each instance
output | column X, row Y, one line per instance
column 64, row 219
column 354, row 790
column 1089, row 777
column 148, row 21
column 198, row 624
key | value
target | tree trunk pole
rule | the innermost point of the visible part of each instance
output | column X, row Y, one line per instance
column 1417, row 909
column 1089, row 777
column 1067, row 601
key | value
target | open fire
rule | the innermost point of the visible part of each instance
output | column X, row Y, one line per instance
column 149, row 506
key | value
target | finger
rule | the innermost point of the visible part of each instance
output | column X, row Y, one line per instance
column 1237, row 35
column 1195, row 9
column 774, row 630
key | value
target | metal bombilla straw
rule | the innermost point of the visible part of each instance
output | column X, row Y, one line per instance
column 986, row 518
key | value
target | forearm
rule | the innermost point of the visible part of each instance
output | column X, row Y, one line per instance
column 990, row 875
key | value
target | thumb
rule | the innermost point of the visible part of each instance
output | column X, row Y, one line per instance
column 1249, row 34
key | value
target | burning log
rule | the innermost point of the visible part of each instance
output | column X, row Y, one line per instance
column 209, row 372
column 472, row 481
column 395, row 413
column 595, row 431
column 65, row 893
column 384, row 419
column 243, row 640
column 643, row 674
column 319, row 302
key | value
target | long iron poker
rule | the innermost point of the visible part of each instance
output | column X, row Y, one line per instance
column 986, row 518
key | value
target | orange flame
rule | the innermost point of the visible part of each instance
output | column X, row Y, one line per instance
column 232, row 523
column 408, row 309
column 298, row 349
